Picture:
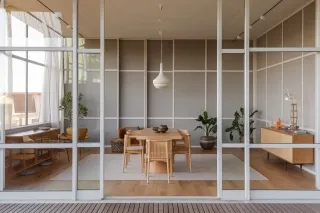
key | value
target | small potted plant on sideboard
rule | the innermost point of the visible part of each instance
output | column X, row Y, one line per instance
column 209, row 126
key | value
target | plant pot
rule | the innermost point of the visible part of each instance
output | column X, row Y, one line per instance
column 207, row 142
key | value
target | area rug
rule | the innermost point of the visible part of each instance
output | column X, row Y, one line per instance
column 204, row 167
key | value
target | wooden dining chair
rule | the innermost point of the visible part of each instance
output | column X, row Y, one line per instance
column 129, row 149
column 184, row 147
column 157, row 150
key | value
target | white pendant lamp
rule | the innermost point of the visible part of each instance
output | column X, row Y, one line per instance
column 161, row 81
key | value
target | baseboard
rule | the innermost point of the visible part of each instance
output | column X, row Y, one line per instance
column 307, row 170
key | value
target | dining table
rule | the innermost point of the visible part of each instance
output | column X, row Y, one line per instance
column 149, row 134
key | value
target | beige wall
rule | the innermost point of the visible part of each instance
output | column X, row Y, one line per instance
column 191, row 91
column 293, row 71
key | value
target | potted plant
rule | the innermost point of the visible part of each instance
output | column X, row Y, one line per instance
column 209, row 126
column 238, row 125
column 66, row 106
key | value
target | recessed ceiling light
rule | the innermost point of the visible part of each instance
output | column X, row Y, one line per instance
column 250, row 27
column 238, row 37
column 262, row 18
column 68, row 26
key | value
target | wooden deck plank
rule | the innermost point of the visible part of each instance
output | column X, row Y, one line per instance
column 159, row 208
column 8, row 208
column 304, row 208
column 15, row 207
column 65, row 208
column 22, row 208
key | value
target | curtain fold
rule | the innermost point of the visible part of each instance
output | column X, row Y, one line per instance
column 50, row 98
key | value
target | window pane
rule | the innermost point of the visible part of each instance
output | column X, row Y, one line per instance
column 35, row 91
column 18, row 36
column 35, row 39
column 38, row 169
column 18, row 93
column 283, row 169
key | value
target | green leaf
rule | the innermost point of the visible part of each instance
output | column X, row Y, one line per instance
column 198, row 127
column 228, row 129
column 254, row 112
column 251, row 130
column 231, row 136
column 242, row 111
column 205, row 115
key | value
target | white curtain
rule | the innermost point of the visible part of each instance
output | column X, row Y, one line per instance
column 4, row 66
column 50, row 98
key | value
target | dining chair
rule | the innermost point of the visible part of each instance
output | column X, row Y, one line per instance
column 157, row 150
column 184, row 147
column 129, row 149
column 82, row 136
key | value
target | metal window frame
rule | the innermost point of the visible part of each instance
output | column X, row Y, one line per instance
column 246, row 194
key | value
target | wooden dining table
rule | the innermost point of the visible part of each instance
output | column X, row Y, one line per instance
column 149, row 134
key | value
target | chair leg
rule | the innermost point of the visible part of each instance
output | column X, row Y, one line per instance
column 68, row 155
column 141, row 159
column 190, row 162
column 168, row 169
column 145, row 167
column 148, row 167
column 124, row 162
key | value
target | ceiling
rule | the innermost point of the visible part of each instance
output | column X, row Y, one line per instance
column 182, row 19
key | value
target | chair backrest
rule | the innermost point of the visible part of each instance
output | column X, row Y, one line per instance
column 27, row 139
column 158, row 149
column 82, row 133
column 123, row 130
column 186, row 137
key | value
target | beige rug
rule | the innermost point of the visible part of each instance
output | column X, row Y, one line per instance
column 204, row 167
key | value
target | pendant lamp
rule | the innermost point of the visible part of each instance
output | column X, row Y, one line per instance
column 161, row 81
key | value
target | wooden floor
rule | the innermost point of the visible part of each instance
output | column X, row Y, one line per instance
column 273, row 169
column 160, row 208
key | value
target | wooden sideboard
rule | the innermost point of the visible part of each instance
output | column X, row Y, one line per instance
column 296, row 156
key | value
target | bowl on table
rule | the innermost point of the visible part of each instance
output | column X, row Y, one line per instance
column 163, row 128
column 155, row 129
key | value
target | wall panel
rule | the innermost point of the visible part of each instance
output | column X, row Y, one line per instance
column 262, row 94
column 154, row 55
column 274, row 39
column 131, row 94
column 309, row 29
column 309, row 92
column 292, row 75
column 261, row 56
column 189, row 94
column 159, row 100
column 189, row 54
column 274, row 93
column 292, row 35
column 131, row 54
column 212, row 94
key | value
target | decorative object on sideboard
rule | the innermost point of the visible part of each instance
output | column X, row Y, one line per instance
column 161, row 81
column 238, row 125
column 294, row 110
column 209, row 126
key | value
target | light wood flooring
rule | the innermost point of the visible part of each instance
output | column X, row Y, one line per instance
column 273, row 169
